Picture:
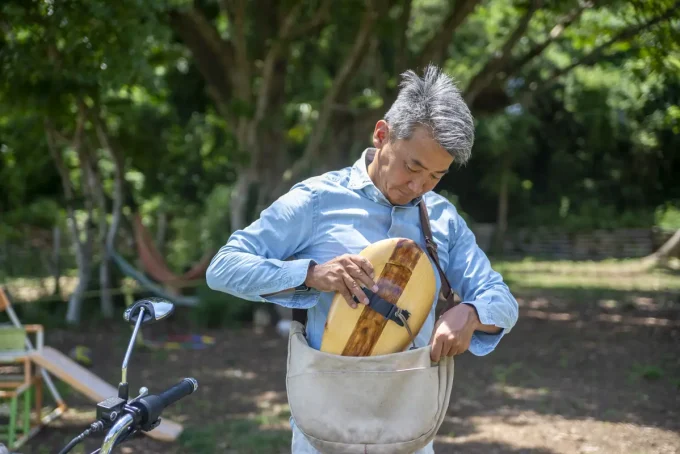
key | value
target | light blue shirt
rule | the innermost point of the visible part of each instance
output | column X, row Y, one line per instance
column 342, row 212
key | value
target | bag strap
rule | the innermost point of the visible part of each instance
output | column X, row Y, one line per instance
column 431, row 247
column 300, row 315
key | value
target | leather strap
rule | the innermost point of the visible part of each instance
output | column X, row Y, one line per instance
column 431, row 247
column 300, row 315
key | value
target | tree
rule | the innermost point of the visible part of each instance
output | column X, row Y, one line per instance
column 60, row 65
column 255, row 59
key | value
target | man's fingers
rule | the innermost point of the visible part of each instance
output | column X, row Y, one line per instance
column 461, row 349
column 355, row 289
column 348, row 297
column 447, row 348
column 360, row 275
column 366, row 266
column 457, row 348
column 437, row 345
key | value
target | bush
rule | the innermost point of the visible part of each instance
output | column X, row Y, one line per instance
column 667, row 216
column 220, row 310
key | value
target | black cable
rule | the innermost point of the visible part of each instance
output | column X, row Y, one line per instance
column 75, row 441
column 94, row 427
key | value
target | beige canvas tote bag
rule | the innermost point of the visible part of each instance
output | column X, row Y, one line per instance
column 386, row 404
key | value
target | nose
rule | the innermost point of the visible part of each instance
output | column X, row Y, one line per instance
column 414, row 186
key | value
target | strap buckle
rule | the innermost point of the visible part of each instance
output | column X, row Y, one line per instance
column 429, row 242
column 386, row 309
column 390, row 311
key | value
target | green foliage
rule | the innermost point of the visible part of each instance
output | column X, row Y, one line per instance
column 667, row 217
column 220, row 310
column 42, row 213
column 587, row 215
column 194, row 230
column 94, row 47
column 648, row 372
column 595, row 148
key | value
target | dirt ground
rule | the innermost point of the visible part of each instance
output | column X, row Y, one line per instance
column 581, row 373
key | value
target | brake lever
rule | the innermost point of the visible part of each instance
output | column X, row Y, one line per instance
column 143, row 391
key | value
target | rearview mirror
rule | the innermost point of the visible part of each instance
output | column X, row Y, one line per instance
column 155, row 309
column 151, row 310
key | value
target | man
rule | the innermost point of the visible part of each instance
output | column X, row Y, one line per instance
column 304, row 247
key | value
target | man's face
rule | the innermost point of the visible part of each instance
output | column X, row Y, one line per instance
column 406, row 169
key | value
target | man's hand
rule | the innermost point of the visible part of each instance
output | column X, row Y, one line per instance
column 453, row 331
column 346, row 274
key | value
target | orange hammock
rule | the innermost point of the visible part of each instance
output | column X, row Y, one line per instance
column 155, row 265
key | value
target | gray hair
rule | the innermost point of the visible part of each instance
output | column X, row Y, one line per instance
column 434, row 102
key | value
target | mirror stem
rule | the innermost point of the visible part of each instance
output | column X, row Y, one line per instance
column 123, row 387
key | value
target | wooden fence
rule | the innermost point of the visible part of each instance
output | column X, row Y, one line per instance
column 562, row 245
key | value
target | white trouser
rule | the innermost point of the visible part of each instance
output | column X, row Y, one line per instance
column 300, row 445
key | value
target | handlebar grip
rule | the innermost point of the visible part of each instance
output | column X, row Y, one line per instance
column 176, row 392
column 153, row 405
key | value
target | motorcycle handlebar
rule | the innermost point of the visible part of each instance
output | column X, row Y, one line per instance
column 146, row 412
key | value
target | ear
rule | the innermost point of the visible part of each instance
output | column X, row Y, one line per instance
column 381, row 134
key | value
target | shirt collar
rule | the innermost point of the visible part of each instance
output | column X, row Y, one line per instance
column 359, row 178
column 360, row 181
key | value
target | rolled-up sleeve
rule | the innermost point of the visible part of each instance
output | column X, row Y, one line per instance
column 472, row 277
column 260, row 259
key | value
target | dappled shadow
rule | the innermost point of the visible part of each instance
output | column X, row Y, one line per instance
column 580, row 359
column 478, row 447
column 579, row 366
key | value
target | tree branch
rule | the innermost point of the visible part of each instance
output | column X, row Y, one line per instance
column 435, row 48
column 349, row 65
column 559, row 28
column 401, row 59
column 486, row 75
column 212, row 55
column 67, row 186
column 236, row 10
column 268, row 70
column 596, row 54
column 51, row 136
column 118, row 171
column 320, row 17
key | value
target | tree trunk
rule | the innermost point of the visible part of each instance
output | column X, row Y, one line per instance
column 84, row 261
column 670, row 248
column 502, row 215
column 83, row 247
column 96, row 188
column 116, row 213
column 56, row 259
column 239, row 200
column 346, row 70
column 162, row 231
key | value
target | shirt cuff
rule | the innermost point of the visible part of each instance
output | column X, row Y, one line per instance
column 483, row 343
column 296, row 273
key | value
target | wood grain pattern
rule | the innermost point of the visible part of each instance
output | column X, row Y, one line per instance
column 391, row 282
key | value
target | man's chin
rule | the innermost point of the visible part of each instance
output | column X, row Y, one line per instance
column 400, row 199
